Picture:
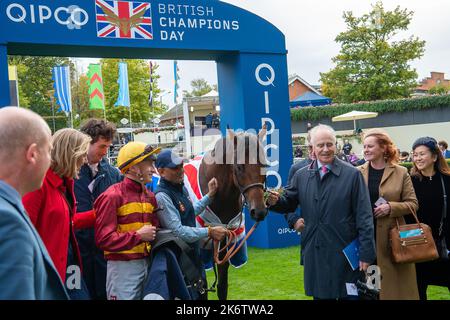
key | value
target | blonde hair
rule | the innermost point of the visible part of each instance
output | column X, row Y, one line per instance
column 69, row 146
column 391, row 154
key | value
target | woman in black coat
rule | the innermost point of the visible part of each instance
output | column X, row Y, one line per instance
column 430, row 175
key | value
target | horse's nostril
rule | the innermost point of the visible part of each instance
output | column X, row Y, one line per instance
column 258, row 215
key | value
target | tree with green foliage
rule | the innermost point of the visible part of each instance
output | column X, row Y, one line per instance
column 199, row 87
column 139, row 87
column 439, row 89
column 80, row 100
column 36, row 90
column 371, row 65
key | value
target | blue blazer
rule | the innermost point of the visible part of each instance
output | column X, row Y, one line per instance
column 26, row 269
column 447, row 154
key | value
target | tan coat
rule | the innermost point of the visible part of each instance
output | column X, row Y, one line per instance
column 398, row 281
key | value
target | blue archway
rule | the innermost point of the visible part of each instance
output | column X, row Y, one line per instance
column 249, row 51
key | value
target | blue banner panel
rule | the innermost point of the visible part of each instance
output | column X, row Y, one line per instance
column 189, row 24
column 271, row 233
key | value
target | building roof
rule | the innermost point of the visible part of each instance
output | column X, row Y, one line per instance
column 212, row 93
column 295, row 77
column 176, row 111
column 310, row 99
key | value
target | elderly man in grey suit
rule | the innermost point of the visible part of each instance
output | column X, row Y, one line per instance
column 336, row 210
column 26, row 269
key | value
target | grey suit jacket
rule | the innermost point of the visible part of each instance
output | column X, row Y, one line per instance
column 26, row 269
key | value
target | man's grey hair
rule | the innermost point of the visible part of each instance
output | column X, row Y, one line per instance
column 19, row 128
column 319, row 128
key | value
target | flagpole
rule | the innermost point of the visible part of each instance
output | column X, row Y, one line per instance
column 129, row 109
column 71, row 119
column 53, row 114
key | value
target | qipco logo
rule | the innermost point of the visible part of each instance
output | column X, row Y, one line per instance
column 72, row 17
column 265, row 76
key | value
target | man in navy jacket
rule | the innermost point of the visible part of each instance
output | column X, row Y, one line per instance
column 94, row 178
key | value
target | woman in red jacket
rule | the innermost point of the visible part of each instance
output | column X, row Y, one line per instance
column 52, row 208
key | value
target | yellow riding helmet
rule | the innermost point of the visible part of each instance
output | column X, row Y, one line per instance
column 133, row 153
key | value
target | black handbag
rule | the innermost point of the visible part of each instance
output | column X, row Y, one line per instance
column 441, row 243
column 364, row 291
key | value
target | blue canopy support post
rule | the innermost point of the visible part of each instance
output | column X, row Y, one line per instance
column 5, row 99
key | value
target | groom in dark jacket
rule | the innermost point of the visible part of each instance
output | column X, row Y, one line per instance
column 336, row 210
column 94, row 178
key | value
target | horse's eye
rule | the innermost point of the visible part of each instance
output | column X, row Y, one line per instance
column 240, row 168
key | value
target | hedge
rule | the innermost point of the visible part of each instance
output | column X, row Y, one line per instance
column 399, row 105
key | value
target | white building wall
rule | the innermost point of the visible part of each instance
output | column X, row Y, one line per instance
column 403, row 136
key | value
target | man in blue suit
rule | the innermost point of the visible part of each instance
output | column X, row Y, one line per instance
column 443, row 147
column 26, row 269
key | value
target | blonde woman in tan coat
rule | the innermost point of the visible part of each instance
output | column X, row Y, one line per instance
column 391, row 195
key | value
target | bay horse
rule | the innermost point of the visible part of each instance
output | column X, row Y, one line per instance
column 238, row 163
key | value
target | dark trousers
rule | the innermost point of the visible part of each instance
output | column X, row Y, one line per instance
column 82, row 292
column 94, row 264
column 435, row 273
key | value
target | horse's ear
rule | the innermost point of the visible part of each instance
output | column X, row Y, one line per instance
column 262, row 132
column 230, row 133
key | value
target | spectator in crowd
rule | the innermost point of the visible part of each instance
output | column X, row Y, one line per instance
column 126, row 223
column 215, row 120
column 208, row 120
column 298, row 152
column 332, row 220
column 443, row 145
column 94, row 178
column 52, row 208
column 361, row 161
column 431, row 177
column 353, row 158
column 293, row 219
column 391, row 196
column 347, row 147
column 404, row 157
column 178, row 213
column 26, row 270
column 341, row 156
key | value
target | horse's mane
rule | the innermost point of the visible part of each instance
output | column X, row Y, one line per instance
column 240, row 148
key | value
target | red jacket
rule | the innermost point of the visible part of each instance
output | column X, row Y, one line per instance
column 122, row 210
column 49, row 211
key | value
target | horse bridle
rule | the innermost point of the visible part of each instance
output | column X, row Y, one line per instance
column 243, row 190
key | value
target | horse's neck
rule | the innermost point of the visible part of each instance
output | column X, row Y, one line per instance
column 227, row 201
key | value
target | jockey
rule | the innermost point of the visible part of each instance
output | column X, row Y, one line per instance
column 177, row 212
column 126, row 222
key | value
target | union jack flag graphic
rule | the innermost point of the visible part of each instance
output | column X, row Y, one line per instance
column 124, row 19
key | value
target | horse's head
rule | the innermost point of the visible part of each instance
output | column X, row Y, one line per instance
column 245, row 153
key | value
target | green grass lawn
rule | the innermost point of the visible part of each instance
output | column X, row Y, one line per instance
column 276, row 274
